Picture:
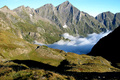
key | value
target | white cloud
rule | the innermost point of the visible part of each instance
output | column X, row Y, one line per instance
column 77, row 44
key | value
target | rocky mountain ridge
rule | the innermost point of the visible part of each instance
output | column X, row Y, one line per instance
column 110, row 20
column 77, row 22
column 43, row 23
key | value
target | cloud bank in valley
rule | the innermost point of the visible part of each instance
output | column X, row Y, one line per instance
column 77, row 44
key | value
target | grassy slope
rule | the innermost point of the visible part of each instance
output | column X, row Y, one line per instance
column 11, row 45
column 11, row 71
column 51, row 34
column 24, row 26
column 12, row 48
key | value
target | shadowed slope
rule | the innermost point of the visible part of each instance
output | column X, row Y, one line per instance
column 62, row 69
column 34, row 64
column 108, row 47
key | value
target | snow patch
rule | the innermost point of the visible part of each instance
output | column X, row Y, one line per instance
column 31, row 15
column 65, row 26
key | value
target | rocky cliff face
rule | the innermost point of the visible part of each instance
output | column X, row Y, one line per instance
column 47, row 23
column 108, row 47
column 110, row 20
column 76, row 21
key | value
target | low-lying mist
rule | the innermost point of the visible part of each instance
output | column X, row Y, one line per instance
column 77, row 44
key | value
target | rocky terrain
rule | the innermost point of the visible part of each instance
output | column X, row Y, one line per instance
column 22, row 60
column 65, row 14
column 110, row 20
column 47, row 23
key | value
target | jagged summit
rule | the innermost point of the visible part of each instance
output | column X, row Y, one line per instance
column 117, row 15
column 20, row 8
column 5, row 7
column 23, row 7
column 65, row 14
column 66, row 2
column 109, row 19
column 48, row 4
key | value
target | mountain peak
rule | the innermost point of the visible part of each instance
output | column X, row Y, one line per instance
column 48, row 5
column 21, row 8
column 66, row 2
column 24, row 7
column 5, row 7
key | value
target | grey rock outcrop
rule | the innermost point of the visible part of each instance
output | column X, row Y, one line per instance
column 110, row 20
column 77, row 22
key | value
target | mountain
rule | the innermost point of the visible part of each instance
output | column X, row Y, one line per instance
column 76, row 21
column 35, row 27
column 110, row 20
column 47, row 23
column 108, row 47
column 20, row 59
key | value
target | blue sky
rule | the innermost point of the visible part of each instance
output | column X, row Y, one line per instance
column 92, row 7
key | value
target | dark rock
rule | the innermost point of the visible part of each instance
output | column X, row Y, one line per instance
column 108, row 47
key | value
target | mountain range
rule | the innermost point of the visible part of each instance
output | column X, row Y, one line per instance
column 110, row 20
column 20, row 59
column 47, row 23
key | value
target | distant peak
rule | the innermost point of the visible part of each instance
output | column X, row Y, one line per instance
column 27, row 7
column 108, row 12
column 22, row 6
column 67, row 2
column 48, row 5
column 5, row 7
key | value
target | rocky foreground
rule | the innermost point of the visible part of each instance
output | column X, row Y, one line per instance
column 33, row 70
